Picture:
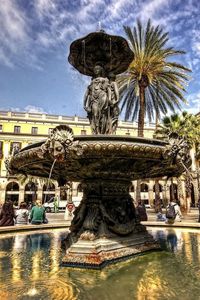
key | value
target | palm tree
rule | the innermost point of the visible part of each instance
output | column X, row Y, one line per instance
column 187, row 126
column 152, row 84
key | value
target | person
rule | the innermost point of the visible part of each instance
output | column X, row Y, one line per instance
column 55, row 204
column 141, row 211
column 177, row 212
column 37, row 215
column 160, row 217
column 21, row 215
column 7, row 214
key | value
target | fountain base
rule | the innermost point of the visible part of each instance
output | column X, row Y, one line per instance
column 100, row 252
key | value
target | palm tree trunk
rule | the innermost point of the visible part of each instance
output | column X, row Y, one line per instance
column 158, row 207
column 140, row 134
column 141, row 112
column 138, row 190
column 172, row 190
column 180, row 194
column 188, row 192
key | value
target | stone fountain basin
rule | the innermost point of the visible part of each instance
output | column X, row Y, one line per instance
column 103, row 157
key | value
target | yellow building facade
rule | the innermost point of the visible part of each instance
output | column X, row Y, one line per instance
column 19, row 129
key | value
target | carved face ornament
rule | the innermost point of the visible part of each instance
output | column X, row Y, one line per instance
column 57, row 150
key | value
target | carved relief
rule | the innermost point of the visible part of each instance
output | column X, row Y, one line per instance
column 106, row 209
column 178, row 151
column 60, row 144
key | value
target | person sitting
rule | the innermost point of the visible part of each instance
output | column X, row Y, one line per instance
column 7, row 214
column 141, row 211
column 37, row 215
column 173, row 212
column 21, row 215
column 160, row 217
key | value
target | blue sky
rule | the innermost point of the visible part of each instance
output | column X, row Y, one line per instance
column 35, row 35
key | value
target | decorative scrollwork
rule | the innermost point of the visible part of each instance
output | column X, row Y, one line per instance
column 178, row 150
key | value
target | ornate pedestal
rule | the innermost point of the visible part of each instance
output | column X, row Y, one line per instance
column 102, row 251
column 106, row 227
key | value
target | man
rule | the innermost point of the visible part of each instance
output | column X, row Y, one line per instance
column 55, row 204
column 173, row 212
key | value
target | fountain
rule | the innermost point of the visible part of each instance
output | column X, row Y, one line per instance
column 105, row 227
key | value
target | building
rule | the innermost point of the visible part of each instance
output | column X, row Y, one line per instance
column 19, row 129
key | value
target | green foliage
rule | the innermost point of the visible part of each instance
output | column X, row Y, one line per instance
column 185, row 125
column 24, row 179
column 151, row 75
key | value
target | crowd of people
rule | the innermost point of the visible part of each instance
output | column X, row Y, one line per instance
column 36, row 215
column 10, row 216
column 172, row 214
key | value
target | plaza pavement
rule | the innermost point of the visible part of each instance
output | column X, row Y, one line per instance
column 56, row 220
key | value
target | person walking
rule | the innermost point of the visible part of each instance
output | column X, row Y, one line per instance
column 37, row 215
column 141, row 211
column 7, row 214
column 173, row 212
column 55, row 204
column 21, row 215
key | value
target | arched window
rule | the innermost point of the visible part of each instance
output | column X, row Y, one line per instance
column 48, row 192
column 31, row 186
column 63, row 193
column 160, row 188
column 50, row 187
column 144, row 187
column 80, row 188
column 12, row 192
column 174, row 191
column 131, row 189
column 12, row 186
column 30, row 192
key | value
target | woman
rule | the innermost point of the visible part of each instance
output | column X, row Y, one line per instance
column 21, row 214
column 37, row 215
column 7, row 214
column 141, row 211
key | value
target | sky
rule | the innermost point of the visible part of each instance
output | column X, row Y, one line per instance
column 35, row 37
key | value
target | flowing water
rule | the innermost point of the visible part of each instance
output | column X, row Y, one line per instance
column 30, row 269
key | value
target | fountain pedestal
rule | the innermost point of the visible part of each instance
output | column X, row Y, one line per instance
column 105, row 227
column 102, row 251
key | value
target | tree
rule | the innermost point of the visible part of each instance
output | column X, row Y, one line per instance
column 152, row 84
column 186, row 126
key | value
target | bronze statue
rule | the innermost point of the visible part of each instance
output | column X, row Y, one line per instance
column 101, row 56
column 101, row 102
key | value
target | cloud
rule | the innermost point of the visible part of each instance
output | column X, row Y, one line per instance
column 27, row 32
column 34, row 109
column 28, row 109
column 14, row 37
column 194, row 103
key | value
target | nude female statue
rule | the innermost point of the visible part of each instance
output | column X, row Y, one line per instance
column 97, row 99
